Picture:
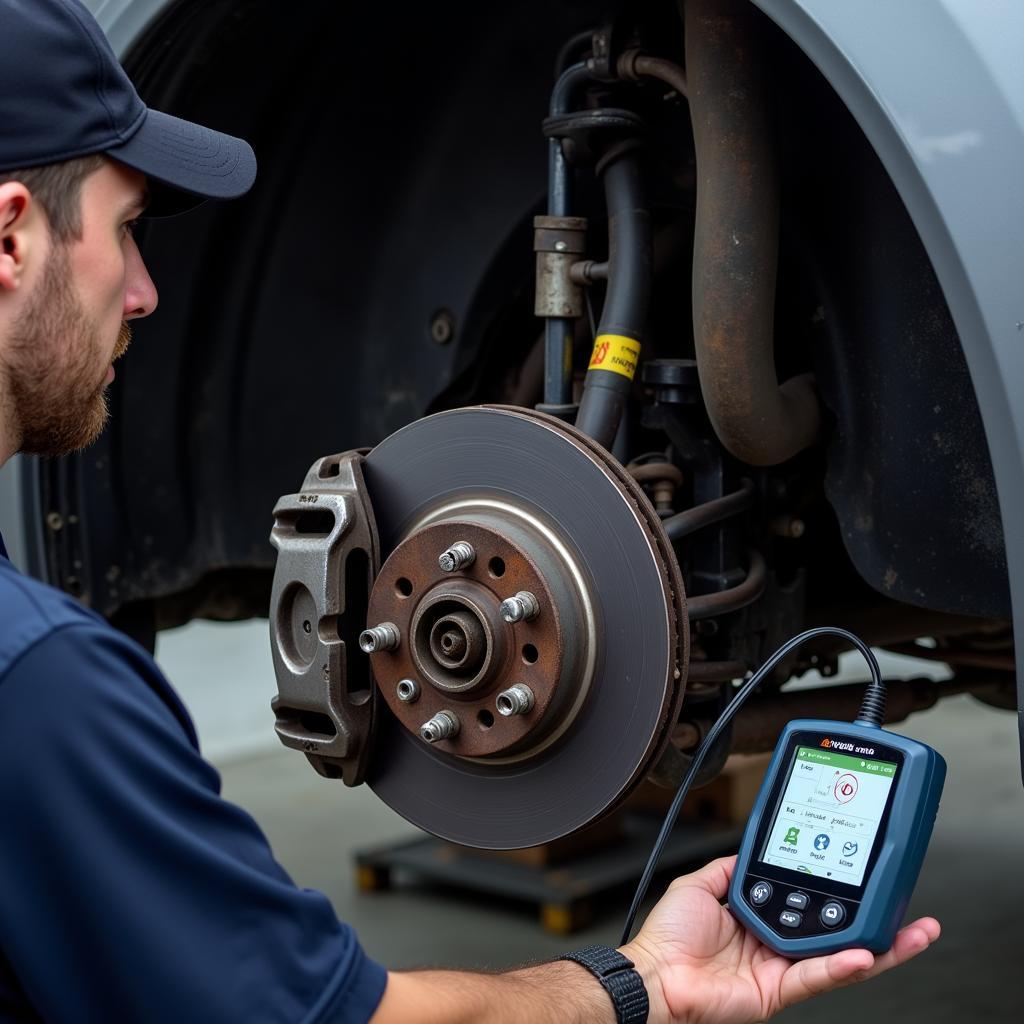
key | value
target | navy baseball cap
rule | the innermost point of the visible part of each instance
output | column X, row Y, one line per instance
column 64, row 95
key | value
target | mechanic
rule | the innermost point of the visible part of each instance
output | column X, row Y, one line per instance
column 129, row 890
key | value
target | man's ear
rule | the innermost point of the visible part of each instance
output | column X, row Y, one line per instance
column 17, row 210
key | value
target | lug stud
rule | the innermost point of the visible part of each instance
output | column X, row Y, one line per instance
column 443, row 726
column 384, row 637
column 516, row 700
column 520, row 608
column 408, row 691
column 459, row 556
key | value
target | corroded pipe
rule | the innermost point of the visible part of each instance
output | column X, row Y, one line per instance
column 721, row 602
column 735, row 250
column 757, row 725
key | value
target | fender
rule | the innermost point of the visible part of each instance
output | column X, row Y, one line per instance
column 953, row 147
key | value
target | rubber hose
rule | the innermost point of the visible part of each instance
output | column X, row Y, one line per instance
column 627, row 301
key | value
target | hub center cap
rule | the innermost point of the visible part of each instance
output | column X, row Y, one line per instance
column 456, row 636
column 459, row 648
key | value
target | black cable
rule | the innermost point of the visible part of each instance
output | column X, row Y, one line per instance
column 871, row 713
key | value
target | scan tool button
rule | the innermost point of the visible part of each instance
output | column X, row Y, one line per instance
column 760, row 893
column 790, row 918
column 797, row 900
column 832, row 914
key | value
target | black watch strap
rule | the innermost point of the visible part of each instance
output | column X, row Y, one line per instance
column 620, row 981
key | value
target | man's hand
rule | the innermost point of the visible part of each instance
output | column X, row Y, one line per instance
column 702, row 967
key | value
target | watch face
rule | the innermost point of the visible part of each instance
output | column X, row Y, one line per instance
column 830, row 806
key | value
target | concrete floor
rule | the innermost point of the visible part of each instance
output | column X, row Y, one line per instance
column 973, row 881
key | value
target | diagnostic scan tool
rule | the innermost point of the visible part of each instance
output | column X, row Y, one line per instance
column 835, row 841
column 836, row 838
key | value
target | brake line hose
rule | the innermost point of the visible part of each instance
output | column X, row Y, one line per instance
column 613, row 364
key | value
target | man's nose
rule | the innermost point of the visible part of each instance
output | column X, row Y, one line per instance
column 140, row 295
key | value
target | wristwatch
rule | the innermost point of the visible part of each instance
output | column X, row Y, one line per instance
column 619, row 979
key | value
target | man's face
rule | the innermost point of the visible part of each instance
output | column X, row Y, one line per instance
column 74, row 323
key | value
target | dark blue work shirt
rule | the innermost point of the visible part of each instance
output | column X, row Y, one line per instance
column 129, row 889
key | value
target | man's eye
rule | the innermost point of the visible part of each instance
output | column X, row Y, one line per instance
column 129, row 226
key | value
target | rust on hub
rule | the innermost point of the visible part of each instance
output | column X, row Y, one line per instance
column 460, row 650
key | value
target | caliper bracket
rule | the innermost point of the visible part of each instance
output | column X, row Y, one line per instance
column 328, row 558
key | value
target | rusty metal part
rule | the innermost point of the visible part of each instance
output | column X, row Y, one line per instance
column 588, row 272
column 525, row 475
column 460, row 649
column 328, row 553
column 633, row 65
column 652, row 472
column 715, row 671
column 692, row 519
column 736, row 242
column 663, row 479
column 558, row 242
column 453, row 634
column 759, row 722
column 892, row 622
column 705, row 606
column 957, row 656
column 688, row 735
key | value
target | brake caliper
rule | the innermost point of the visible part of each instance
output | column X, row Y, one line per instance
column 328, row 558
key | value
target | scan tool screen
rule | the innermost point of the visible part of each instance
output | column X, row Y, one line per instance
column 829, row 814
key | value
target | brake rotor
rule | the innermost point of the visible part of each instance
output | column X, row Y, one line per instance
column 596, row 659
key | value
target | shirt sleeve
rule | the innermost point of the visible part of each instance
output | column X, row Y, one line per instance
column 129, row 889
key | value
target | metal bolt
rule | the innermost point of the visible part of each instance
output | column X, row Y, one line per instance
column 459, row 556
column 442, row 326
column 560, row 247
column 443, row 726
column 384, row 637
column 408, row 691
column 664, row 492
column 522, row 607
column 516, row 700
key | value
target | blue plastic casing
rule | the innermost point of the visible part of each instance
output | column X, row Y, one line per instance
column 875, row 908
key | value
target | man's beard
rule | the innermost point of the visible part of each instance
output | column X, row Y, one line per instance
column 57, row 405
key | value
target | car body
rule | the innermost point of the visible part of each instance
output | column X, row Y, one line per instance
column 381, row 271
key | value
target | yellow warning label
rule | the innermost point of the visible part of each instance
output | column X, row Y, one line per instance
column 616, row 353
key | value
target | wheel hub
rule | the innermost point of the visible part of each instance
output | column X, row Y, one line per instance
column 458, row 647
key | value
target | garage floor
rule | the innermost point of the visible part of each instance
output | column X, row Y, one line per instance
column 973, row 879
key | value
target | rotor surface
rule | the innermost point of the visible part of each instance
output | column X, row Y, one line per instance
column 610, row 595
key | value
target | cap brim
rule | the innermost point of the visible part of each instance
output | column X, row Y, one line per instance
column 195, row 162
